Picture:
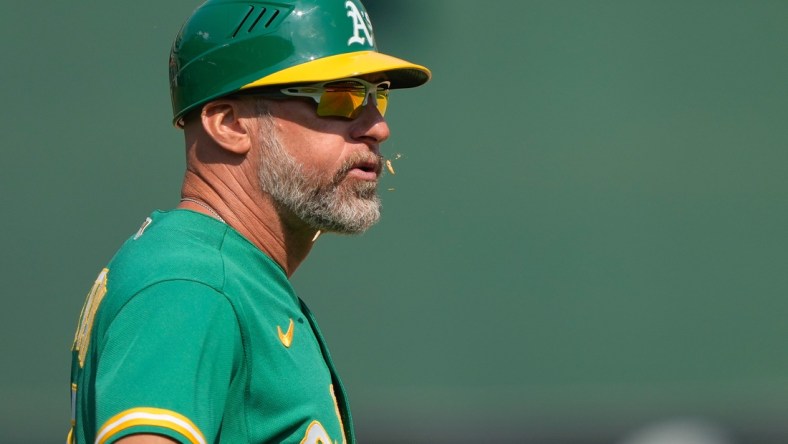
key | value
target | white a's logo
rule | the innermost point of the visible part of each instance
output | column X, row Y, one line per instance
column 361, row 23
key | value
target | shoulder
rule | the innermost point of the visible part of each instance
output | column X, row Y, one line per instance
column 172, row 245
column 179, row 247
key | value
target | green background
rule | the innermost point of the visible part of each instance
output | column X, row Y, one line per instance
column 587, row 232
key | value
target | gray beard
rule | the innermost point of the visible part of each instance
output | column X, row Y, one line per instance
column 337, row 205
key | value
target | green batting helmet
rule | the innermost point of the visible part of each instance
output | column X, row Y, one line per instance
column 232, row 45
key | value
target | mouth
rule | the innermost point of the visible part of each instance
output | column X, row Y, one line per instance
column 366, row 169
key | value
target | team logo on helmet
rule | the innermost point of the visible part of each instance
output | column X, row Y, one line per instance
column 361, row 23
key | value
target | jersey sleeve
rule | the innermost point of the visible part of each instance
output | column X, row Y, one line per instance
column 166, row 364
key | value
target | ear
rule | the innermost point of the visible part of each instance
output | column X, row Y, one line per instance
column 222, row 120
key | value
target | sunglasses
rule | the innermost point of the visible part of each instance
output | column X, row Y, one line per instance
column 340, row 98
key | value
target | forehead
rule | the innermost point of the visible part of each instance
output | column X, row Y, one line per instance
column 374, row 78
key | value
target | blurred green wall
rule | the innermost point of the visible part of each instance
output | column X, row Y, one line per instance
column 586, row 231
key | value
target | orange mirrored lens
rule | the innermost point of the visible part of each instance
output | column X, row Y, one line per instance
column 340, row 103
column 348, row 103
column 382, row 97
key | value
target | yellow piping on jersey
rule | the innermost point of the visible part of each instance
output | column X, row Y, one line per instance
column 147, row 416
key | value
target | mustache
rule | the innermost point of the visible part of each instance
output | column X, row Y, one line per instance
column 359, row 159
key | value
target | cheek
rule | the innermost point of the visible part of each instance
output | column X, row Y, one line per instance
column 318, row 152
column 316, row 143
column 323, row 164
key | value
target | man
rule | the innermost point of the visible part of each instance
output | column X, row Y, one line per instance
column 193, row 333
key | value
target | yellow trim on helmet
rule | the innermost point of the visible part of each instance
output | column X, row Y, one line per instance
column 341, row 66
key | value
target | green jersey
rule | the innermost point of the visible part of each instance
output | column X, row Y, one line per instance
column 193, row 333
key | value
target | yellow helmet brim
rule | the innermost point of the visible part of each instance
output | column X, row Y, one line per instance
column 401, row 73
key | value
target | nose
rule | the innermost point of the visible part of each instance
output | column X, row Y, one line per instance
column 370, row 126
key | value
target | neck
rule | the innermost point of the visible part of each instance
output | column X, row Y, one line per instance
column 255, row 216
